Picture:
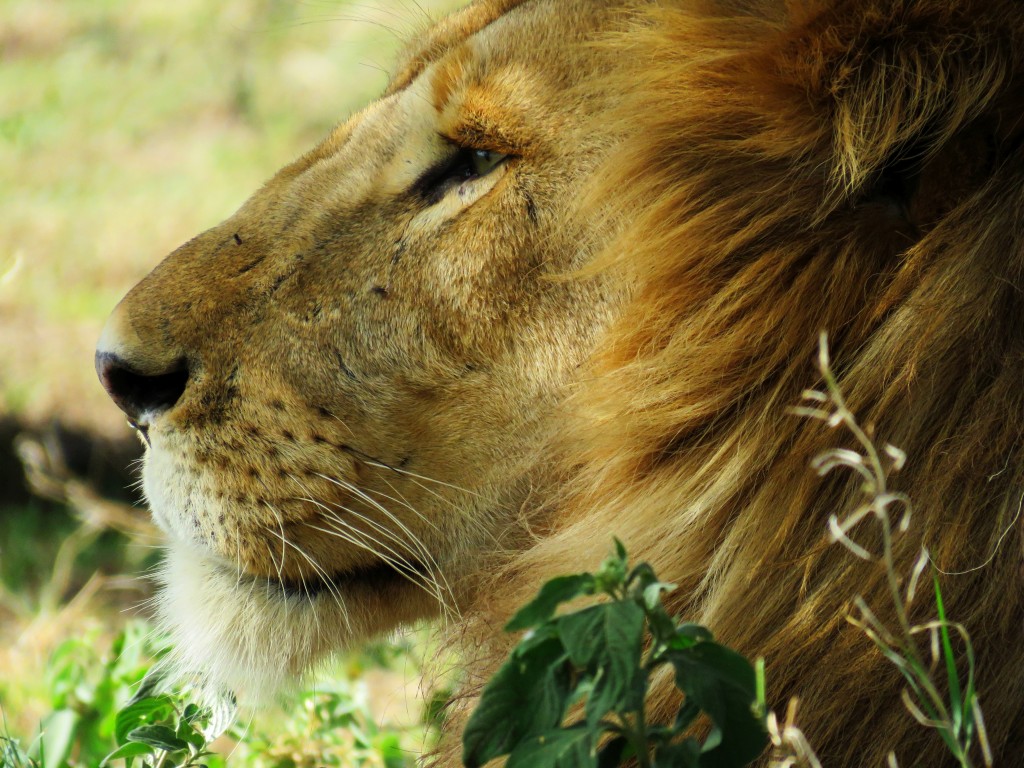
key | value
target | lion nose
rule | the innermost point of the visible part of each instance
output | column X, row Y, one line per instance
column 142, row 380
column 142, row 396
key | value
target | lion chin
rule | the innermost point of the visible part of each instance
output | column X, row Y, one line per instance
column 254, row 644
column 257, row 638
column 563, row 281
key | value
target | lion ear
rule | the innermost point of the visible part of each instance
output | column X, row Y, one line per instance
column 920, row 183
column 900, row 82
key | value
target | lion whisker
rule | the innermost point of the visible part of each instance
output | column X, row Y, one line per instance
column 416, row 476
column 401, row 567
column 319, row 570
column 468, row 519
column 417, row 545
column 413, row 540
column 434, row 570
column 316, row 566
column 280, row 566
column 335, row 416
column 345, row 485
column 395, row 560
column 331, row 514
column 397, row 556
column 421, row 548
column 238, row 553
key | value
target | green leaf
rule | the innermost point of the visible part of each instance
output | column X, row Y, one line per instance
column 66, row 672
column 127, row 752
column 652, row 594
column 620, row 548
column 611, row 576
column 723, row 684
column 685, row 754
column 580, row 633
column 552, row 594
column 158, row 736
column 661, row 627
column 11, row 754
column 564, row 748
column 955, row 698
column 526, row 697
column 222, row 711
column 58, row 733
column 690, row 634
column 142, row 712
column 688, row 712
column 152, row 685
column 435, row 709
column 190, row 734
column 606, row 642
column 641, row 576
column 598, row 634
column 390, row 748
column 542, row 634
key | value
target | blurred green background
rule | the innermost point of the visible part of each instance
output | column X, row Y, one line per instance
column 126, row 127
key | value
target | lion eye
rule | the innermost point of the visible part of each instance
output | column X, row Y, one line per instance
column 462, row 165
column 484, row 161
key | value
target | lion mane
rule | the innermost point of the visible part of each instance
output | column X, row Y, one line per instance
column 854, row 167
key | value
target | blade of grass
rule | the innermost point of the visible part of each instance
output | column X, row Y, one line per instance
column 955, row 695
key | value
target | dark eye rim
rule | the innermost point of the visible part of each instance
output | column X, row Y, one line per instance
column 457, row 166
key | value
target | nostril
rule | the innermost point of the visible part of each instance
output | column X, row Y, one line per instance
column 139, row 395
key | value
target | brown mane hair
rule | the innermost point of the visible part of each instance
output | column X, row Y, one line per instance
column 854, row 167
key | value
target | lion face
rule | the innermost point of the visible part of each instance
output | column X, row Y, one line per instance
column 340, row 386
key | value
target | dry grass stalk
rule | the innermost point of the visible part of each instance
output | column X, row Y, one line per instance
column 959, row 719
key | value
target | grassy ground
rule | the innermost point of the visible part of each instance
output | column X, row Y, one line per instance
column 127, row 126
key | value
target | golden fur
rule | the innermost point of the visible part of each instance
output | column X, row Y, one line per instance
column 777, row 169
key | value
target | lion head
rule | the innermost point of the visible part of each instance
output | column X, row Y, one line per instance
column 562, row 281
column 341, row 385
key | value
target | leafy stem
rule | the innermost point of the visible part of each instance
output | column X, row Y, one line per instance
column 573, row 692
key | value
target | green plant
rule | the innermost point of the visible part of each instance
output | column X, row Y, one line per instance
column 13, row 756
column 86, row 689
column 330, row 727
column 596, row 665
column 163, row 729
column 103, row 716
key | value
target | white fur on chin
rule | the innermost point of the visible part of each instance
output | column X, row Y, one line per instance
column 237, row 635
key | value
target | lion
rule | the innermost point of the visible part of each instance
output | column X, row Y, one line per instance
column 564, row 280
